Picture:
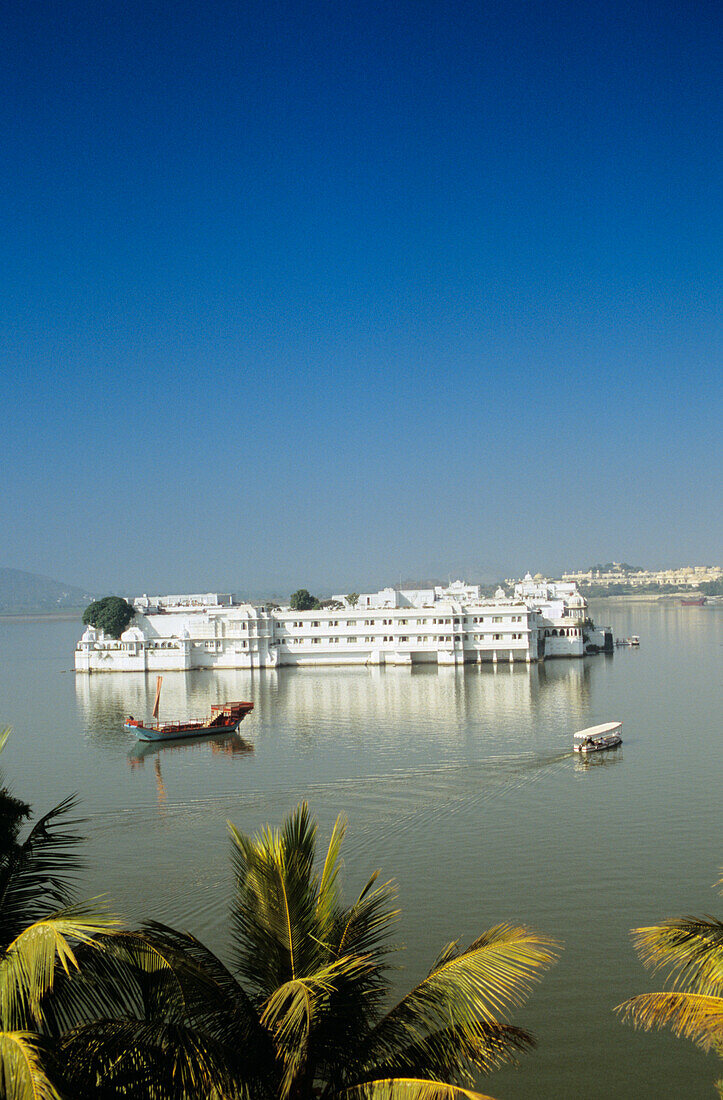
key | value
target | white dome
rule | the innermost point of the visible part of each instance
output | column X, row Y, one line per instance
column 132, row 634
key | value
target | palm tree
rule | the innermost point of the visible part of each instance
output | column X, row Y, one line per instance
column 40, row 933
column 67, row 969
column 301, row 1013
column 691, row 950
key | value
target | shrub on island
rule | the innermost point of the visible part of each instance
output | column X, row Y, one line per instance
column 111, row 615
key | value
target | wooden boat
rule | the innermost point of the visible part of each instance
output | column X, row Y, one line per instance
column 224, row 718
column 608, row 735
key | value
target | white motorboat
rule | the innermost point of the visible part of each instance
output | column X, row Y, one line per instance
column 596, row 738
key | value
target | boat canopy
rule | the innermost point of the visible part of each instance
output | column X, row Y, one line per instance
column 599, row 731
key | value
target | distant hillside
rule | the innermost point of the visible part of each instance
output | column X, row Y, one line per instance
column 24, row 592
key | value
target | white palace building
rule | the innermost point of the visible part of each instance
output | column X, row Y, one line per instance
column 444, row 626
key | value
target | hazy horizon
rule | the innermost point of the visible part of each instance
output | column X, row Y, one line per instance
column 326, row 590
column 307, row 296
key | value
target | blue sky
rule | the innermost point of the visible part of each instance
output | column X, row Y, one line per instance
column 302, row 293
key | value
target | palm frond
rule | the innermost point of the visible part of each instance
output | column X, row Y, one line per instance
column 690, row 1015
column 274, row 908
column 408, row 1088
column 690, row 949
column 216, row 1005
column 13, row 814
column 208, row 984
column 38, row 877
column 467, row 989
column 22, row 1071
column 298, row 840
column 104, row 984
column 364, row 927
column 30, row 962
column 291, row 1012
column 128, row 1058
column 328, row 893
column 458, row 1055
column 361, row 932
column 449, row 951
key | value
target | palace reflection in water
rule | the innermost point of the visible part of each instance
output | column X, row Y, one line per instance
column 347, row 699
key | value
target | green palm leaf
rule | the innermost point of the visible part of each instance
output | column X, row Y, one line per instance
column 464, row 993
column 457, row 1054
column 28, row 968
column 37, row 878
column 690, row 1015
column 689, row 948
column 365, row 926
column 212, row 994
column 293, row 1009
column 22, row 1072
column 158, row 1060
column 273, row 911
column 409, row 1088
column 328, row 897
column 479, row 984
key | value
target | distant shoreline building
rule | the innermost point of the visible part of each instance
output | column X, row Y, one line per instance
column 691, row 576
column 444, row 626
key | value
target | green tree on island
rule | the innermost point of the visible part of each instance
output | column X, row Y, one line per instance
column 302, row 600
column 111, row 615
column 303, row 1013
column 691, row 950
column 353, row 599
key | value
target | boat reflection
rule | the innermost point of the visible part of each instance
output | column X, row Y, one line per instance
column 228, row 744
column 604, row 759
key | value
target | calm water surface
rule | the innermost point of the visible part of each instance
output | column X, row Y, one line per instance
column 459, row 784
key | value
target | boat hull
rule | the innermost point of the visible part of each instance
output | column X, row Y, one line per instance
column 225, row 718
column 599, row 746
column 147, row 733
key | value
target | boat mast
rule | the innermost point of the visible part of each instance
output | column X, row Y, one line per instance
column 159, row 681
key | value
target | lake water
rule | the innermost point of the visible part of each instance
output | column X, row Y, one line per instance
column 458, row 784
